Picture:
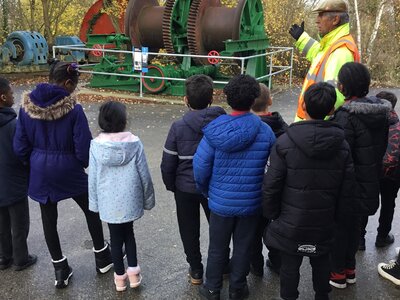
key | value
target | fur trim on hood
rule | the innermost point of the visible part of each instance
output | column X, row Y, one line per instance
column 368, row 105
column 52, row 112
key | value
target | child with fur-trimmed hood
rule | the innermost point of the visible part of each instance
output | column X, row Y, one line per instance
column 53, row 137
column 365, row 123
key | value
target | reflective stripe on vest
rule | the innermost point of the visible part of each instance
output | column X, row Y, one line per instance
column 319, row 70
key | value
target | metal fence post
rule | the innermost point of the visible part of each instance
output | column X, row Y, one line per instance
column 291, row 68
column 141, row 85
column 270, row 72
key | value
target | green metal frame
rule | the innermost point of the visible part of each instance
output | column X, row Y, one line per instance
column 252, row 40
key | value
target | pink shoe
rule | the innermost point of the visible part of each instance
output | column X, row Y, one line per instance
column 120, row 282
column 134, row 276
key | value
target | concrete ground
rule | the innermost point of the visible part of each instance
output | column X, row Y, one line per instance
column 160, row 249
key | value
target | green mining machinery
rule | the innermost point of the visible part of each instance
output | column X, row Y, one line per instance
column 190, row 27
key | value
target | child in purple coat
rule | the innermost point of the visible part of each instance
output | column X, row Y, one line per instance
column 53, row 137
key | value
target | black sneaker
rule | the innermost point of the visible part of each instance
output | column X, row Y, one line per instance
column 195, row 276
column 361, row 244
column 384, row 241
column 239, row 294
column 209, row 294
column 5, row 263
column 390, row 271
column 32, row 259
column 63, row 273
column 103, row 259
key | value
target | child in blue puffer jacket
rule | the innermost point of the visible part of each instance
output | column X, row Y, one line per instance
column 120, row 188
column 228, row 168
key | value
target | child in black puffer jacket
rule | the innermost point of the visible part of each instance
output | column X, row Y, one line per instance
column 306, row 190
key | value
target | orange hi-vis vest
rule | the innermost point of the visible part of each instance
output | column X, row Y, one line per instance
column 318, row 74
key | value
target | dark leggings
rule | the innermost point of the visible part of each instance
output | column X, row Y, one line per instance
column 49, row 220
column 121, row 234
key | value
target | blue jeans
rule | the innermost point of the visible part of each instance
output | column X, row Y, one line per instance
column 222, row 229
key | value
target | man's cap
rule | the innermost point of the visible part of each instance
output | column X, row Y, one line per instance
column 332, row 5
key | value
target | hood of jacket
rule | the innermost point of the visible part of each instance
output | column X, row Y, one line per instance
column 115, row 149
column 7, row 114
column 317, row 139
column 372, row 111
column 275, row 121
column 233, row 133
column 197, row 119
column 46, row 94
column 48, row 102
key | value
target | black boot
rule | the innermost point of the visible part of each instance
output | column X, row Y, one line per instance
column 63, row 273
column 103, row 259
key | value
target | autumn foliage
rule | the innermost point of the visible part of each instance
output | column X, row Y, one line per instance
column 65, row 17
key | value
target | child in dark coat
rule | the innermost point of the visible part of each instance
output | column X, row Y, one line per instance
column 53, row 137
column 261, row 108
column 228, row 168
column 14, row 209
column 306, row 189
column 365, row 122
column 177, row 168
column 390, row 182
column 278, row 125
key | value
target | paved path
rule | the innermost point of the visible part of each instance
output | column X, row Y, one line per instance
column 159, row 247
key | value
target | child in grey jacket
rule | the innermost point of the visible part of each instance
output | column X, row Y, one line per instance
column 120, row 188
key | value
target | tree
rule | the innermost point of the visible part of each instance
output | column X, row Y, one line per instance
column 374, row 33
column 358, row 27
column 5, row 18
column 116, row 10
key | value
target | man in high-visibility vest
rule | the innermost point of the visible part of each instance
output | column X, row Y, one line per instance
column 327, row 56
